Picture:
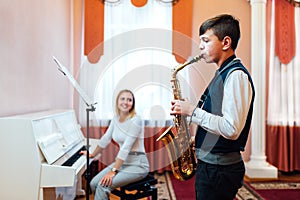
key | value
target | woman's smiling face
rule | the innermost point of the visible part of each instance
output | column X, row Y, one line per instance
column 125, row 102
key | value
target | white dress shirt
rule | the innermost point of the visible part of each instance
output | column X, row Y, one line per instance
column 235, row 107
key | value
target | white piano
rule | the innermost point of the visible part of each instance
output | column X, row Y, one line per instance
column 39, row 153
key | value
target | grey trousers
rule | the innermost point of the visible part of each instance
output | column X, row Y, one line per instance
column 135, row 168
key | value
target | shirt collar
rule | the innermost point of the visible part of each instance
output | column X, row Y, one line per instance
column 227, row 61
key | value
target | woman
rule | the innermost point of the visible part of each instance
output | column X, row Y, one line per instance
column 131, row 163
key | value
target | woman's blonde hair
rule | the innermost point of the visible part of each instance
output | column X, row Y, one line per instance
column 132, row 110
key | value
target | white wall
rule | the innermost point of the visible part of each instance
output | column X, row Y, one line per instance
column 31, row 32
column 204, row 9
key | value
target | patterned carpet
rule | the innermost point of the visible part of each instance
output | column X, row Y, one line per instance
column 250, row 191
column 246, row 193
column 275, row 190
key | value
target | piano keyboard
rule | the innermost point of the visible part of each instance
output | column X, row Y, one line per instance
column 74, row 157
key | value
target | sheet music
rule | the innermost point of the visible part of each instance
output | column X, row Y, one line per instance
column 81, row 92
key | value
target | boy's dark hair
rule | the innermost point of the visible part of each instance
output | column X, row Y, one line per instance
column 223, row 25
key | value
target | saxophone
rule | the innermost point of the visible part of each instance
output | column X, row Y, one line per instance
column 177, row 138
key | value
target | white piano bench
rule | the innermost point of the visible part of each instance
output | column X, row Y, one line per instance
column 144, row 188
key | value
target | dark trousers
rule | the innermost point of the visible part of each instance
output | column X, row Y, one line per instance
column 218, row 182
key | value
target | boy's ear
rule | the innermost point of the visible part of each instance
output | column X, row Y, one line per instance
column 226, row 42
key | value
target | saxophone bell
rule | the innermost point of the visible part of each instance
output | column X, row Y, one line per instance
column 180, row 152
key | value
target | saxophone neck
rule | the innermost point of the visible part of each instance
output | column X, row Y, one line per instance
column 180, row 67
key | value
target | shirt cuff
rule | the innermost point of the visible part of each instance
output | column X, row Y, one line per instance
column 197, row 116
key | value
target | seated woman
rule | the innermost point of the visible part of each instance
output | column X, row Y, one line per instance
column 131, row 163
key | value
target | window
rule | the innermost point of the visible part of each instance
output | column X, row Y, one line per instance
column 137, row 56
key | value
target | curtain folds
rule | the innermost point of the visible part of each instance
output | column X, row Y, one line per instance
column 283, row 147
column 283, row 120
column 295, row 3
column 136, row 52
column 93, row 27
column 137, row 56
column 285, row 31
column 182, row 27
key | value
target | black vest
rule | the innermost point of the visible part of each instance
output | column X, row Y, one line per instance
column 213, row 104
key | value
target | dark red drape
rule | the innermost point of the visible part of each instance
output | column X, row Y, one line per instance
column 283, row 147
column 284, row 31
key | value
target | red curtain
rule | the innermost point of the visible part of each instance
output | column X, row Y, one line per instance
column 283, row 147
column 284, row 31
column 93, row 39
column 282, row 142
column 94, row 28
column 182, row 29
column 139, row 3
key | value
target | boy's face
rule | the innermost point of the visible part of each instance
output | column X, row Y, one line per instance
column 211, row 47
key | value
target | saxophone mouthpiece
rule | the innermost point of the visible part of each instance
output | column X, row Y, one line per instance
column 195, row 59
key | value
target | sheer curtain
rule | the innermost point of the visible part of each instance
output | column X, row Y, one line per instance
column 137, row 56
column 284, row 83
column 283, row 120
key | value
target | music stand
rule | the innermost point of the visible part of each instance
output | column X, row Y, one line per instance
column 90, row 108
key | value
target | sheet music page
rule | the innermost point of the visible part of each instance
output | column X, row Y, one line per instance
column 81, row 92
